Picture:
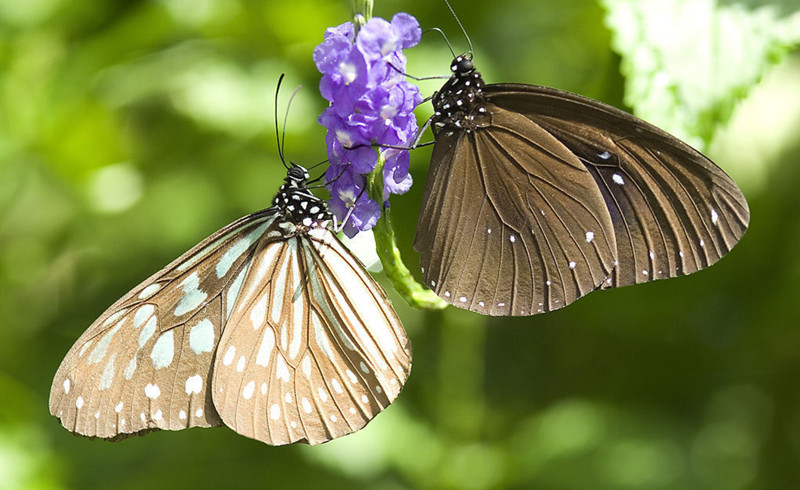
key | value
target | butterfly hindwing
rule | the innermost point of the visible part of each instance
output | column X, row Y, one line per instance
column 315, row 357
column 674, row 211
column 146, row 362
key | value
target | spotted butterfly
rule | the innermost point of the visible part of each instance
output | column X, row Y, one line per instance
column 269, row 326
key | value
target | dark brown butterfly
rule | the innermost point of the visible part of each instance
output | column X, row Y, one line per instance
column 536, row 197
column 269, row 326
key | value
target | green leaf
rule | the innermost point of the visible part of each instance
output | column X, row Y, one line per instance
column 688, row 62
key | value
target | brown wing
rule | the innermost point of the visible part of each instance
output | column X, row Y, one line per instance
column 674, row 211
column 313, row 350
column 511, row 223
column 145, row 364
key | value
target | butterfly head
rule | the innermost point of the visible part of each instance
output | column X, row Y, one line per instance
column 296, row 204
column 462, row 66
column 296, row 176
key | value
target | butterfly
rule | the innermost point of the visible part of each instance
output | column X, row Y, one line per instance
column 536, row 197
column 270, row 326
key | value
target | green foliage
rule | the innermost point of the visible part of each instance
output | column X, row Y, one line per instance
column 688, row 63
column 129, row 131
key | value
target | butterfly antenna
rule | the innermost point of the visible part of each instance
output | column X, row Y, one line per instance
column 316, row 179
column 285, row 119
column 446, row 41
column 277, row 135
column 461, row 26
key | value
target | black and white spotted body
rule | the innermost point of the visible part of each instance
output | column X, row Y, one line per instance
column 459, row 104
column 297, row 205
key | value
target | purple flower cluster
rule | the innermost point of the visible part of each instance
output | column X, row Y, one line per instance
column 371, row 103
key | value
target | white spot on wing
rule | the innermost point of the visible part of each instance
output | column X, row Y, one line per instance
column 142, row 314
column 589, row 236
column 149, row 290
column 118, row 408
column 114, row 317
column 306, row 405
column 229, row 355
column 233, row 292
column 108, row 374
column 240, row 364
column 102, row 346
column 274, row 412
column 130, row 368
column 265, row 351
column 201, row 337
column 617, row 178
column 248, row 390
column 148, row 331
column 66, row 386
column 259, row 311
column 79, row 403
column 714, row 216
column 237, row 249
column 281, row 371
column 194, row 384
column 163, row 350
column 192, row 295
column 152, row 391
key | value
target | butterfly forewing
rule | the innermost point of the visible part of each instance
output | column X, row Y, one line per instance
column 674, row 211
column 315, row 357
column 146, row 362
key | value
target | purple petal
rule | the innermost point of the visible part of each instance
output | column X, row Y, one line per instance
column 407, row 28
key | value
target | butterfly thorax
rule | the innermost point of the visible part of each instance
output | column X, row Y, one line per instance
column 459, row 104
column 296, row 204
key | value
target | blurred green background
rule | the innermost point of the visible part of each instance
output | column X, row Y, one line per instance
column 133, row 129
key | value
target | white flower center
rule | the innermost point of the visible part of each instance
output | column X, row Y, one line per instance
column 390, row 46
column 388, row 112
column 348, row 71
column 344, row 138
column 348, row 197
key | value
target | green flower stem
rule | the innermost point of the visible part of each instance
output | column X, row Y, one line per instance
column 362, row 12
column 413, row 292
